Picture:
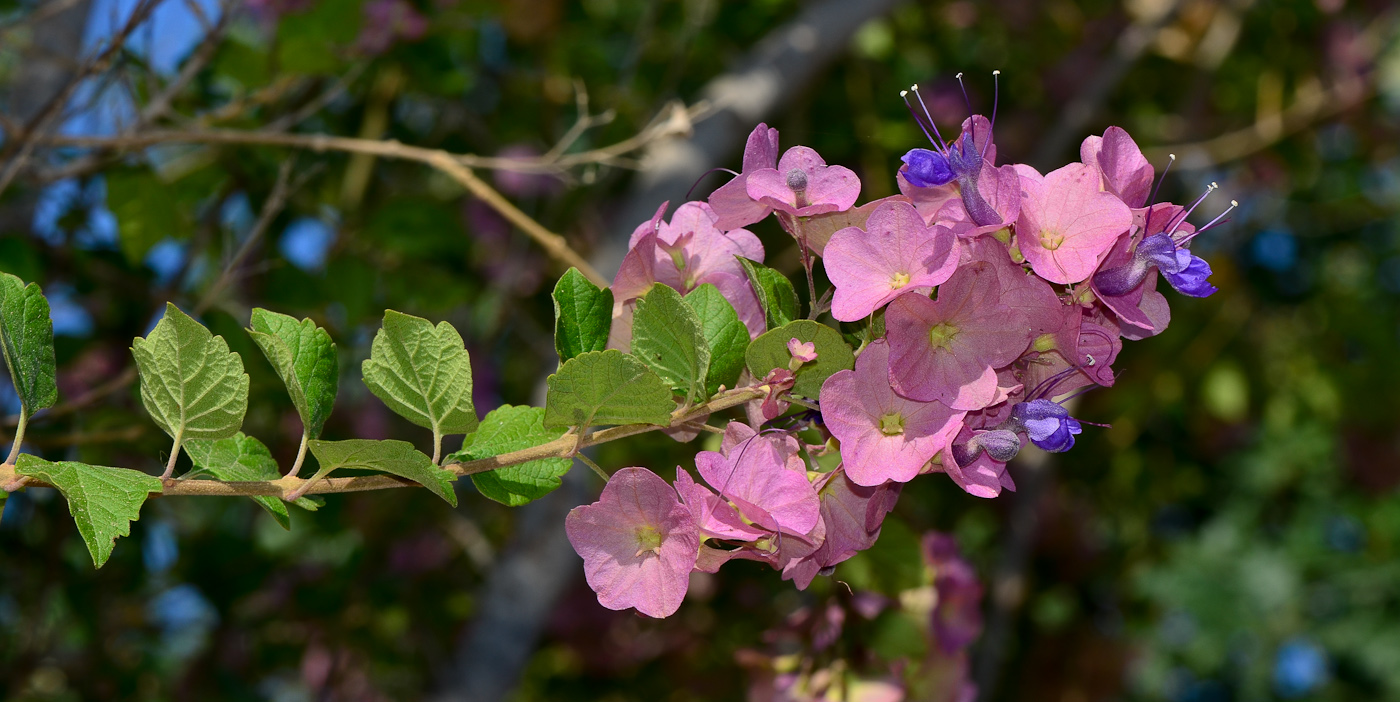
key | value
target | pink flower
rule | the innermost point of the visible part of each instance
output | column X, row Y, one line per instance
column 852, row 515
column 802, row 351
column 1000, row 191
column 685, row 253
column 765, row 478
column 948, row 349
column 717, row 519
column 893, row 254
column 803, row 185
column 1067, row 224
column 1022, row 291
column 731, row 202
column 883, row 436
column 638, row 543
column 1125, row 171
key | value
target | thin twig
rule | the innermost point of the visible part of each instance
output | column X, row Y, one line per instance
column 596, row 468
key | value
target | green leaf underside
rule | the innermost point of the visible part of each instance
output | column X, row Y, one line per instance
column 388, row 456
column 666, row 336
column 243, row 458
column 508, row 428
column 192, row 385
column 423, row 373
column 724, row 333
column 774, row 291
column 770, row 351
column 606, row 387
column 103, row 501
column 582, row 315
column 26, row 339
column 304, row 357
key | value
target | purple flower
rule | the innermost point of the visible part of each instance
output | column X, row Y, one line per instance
column 884, row 437
column 803, row 185
column 638, row 543
column 948, row 349
column 893, row 254
column 1047, row 423
column 975, row 469
column 1163, row 246
column 731, row 202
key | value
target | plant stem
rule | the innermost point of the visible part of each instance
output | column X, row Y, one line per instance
column 19, row 435
column 174, row 456
column 301, row 455
column 596, row 468
column 437, row 446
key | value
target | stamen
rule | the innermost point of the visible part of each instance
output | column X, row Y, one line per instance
column 996, row 97
column 968, row 101
column 917, row 120
column 1219, row 219
column 933, row 125
column 696, row 184
column 1171, row 159
column 1054, row 380
column 1176, row 222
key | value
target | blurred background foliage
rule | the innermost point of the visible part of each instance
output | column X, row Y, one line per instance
column 1234, row 536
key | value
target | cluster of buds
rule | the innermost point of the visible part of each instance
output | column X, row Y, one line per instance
column 990, row 295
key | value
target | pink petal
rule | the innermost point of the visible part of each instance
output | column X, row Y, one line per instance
column 1067, row 224
column 863, row 264
column 1125, row 171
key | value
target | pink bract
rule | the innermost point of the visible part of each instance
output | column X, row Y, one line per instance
column 638, row 543
column 852, row 515
column 803, row 185
column 1067, row 224
column 731, row 202
column 1125, row 171
column 948, row 349
column 766, row 479
column 981, row 476
column 883, row 436
column 894, row 253
column 715, row 518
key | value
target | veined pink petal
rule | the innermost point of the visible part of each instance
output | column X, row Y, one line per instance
column 1067, row 224
column 893, row 254
column 1125, row 171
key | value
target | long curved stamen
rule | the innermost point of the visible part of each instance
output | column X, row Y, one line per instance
column 941, row 144
column 1171, row 159
column 996, row 97
column 696, row 184
column 1219, row 219
column 1054, row 379
column 968, row 101
column 917, row 119
column 1175, row 223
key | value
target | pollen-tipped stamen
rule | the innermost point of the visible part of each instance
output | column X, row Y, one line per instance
column 996, row 97
column 968, row 101
column 1219, row 220
column 1175, row 223
column 942, row 145
column 1171, row 159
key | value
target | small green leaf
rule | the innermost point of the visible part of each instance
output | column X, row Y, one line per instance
column 103, row 501
column 243, row 458
column 423, row 373
column 724, row 333
column 774, row 292
column 666, row 336
column 582, row 315
column 304, row 357
column 508, row 429
column 770, row 351
column 191, row 384
column 392, row 457
column 26, row 339
column 606, row 387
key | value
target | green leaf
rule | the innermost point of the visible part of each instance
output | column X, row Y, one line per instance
column 392, row 457
column 724, row 333
column 26, row 339
column 582, row 315
column 423, row 373
column 508, row 429
column 770, row 351
column 666, row 336
column 243, row 458
column 103, row 501
column 606, row 387
column 774, row 292
column 304, row 357
column 191, row 384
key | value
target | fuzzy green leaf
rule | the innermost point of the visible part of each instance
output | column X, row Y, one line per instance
column 508, row 429
column 243, row 458
column 392, row 457
column 191, row 384
column 423, row 373
column 724, row 333
column 304, row 357
column 26, row 339
column 774, row 291
column 606, row 387
column 666, row 336
column 103, row 501
column 582, row 315
column 770, row 351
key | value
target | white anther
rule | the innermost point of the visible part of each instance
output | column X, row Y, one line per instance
column 903, row 93
column 958, row 76
column 914, row 87
column 1234, row 203
column 1213, row 185
column 1171, row 156
column 996, row 73
column 1091, row 359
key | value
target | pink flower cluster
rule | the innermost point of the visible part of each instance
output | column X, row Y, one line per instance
column 987, row 295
